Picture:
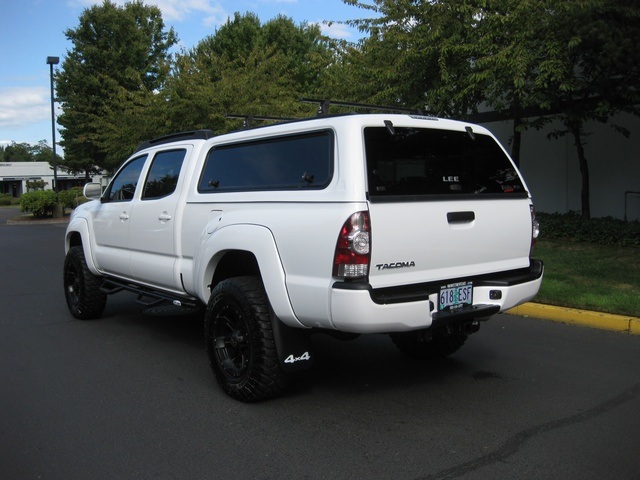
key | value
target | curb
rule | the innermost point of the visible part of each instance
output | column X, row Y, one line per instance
column 42, row 221
column 573, row 316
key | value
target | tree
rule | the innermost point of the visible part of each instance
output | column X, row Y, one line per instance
column 598, row 75
column 420, row 50
column 248, row 68
column 116, row 51
column 367, row 72
column 452, row 57
column 537, row 59
column 25, row 152
column 17, row 152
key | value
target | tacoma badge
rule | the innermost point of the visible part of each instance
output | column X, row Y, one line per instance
column 386, row 266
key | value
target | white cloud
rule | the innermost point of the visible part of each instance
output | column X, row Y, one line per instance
column 210, row 11
column 23, row 106
column 336, row 30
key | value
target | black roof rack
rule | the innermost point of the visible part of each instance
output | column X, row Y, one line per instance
column 249, row 119
column 323, row 110
column 203, row 134
column 324, row 104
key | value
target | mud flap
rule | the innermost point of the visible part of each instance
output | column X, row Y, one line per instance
column 293, row 346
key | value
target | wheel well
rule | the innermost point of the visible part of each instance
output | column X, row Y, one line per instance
column 75, row 239
column 235, row 264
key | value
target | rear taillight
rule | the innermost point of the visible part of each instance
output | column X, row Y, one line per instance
column 535, row 229
column 352, row 256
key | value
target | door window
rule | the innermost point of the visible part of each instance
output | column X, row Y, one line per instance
column 123, row 186
column 163, row 174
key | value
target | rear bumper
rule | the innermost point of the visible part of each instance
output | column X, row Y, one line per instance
column 359, row 308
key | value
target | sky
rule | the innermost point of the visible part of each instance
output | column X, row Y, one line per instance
column 32, row 30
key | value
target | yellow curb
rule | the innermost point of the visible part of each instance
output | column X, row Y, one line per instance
column 634, row 326
column 604, row 321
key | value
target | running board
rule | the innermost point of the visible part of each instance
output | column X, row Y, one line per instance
column 155, row 297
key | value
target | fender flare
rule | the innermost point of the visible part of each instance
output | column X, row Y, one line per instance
column 80, row 226
column 259, row 241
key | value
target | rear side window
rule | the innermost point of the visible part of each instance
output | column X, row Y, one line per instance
column 283, row 163
column 419, row 161
column 162, row 178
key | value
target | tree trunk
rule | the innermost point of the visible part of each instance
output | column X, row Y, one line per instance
column 576, row 131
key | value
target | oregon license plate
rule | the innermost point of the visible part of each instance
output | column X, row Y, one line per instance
column 455, row 295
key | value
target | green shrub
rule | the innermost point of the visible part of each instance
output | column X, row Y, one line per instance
column 5, row 199
column 33, row 185
column 82, row 200
column 603, row 231
column 41, row 202
column 71, row 198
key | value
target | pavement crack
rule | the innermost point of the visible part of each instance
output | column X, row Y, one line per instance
column 515, row 443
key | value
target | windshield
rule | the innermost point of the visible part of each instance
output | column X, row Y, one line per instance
column 413, row 162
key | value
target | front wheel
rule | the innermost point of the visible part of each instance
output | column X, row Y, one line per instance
column 82, row 290
column 240, row 341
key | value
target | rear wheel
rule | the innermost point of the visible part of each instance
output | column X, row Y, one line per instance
column 240, row 341
column 419, row 346
column 82, row 290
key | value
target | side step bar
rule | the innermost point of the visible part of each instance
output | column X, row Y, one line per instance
column 147, row 296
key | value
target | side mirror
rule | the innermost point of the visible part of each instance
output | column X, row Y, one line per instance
column 92, row 191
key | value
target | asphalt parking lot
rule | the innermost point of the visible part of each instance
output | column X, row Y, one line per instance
column 131, row 396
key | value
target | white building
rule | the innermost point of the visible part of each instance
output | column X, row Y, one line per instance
column 15, row 175
column 551, row 170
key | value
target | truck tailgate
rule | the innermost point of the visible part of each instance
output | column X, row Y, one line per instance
column 426, row 241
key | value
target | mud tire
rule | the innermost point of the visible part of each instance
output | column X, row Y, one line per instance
column 240, row 341
column 82, row 291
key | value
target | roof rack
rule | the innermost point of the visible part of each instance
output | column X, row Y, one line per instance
column 249, row 119
column 324, row 104
column 203, row 134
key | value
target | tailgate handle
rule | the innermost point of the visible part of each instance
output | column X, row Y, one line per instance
column 461, row 217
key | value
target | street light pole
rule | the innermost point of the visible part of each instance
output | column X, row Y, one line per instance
column 53, row 61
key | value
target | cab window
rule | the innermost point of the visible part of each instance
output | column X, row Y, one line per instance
column 162, row 178
column 123, row 186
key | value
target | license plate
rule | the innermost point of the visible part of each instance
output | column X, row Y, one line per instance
column 455, row 295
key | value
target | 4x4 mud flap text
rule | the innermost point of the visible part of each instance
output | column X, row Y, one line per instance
column 293, row 346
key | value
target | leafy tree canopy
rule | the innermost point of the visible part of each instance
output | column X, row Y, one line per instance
column 25, row 152
column 538, row 59
column 531, row 60
column 251, row 68
column 115, row 50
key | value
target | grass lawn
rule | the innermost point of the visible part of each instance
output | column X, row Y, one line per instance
column 590, row 276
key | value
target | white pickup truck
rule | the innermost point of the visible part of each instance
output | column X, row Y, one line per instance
column 409, row 225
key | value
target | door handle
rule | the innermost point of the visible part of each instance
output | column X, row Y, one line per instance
column 124, row 216
column 460, row 217
column 164, row 217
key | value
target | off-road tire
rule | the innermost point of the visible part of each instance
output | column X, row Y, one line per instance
column 81, row 287
column 414, row 346
column 240, row 341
